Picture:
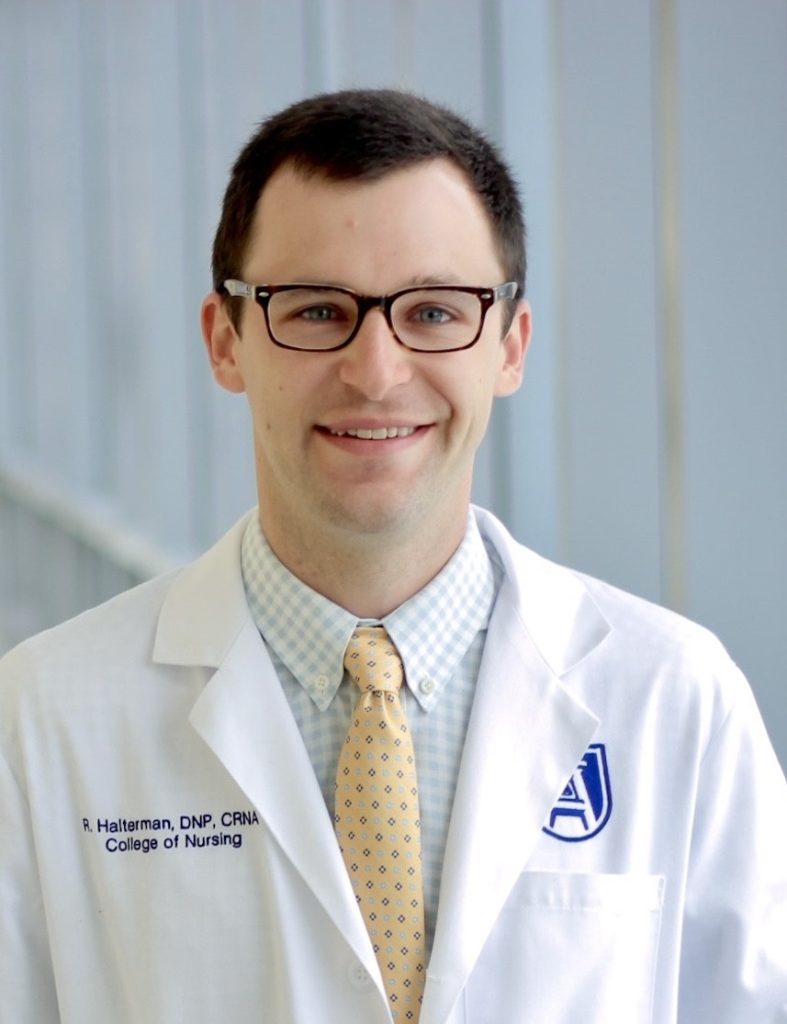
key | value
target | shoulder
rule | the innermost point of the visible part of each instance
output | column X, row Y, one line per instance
column 650, row 628
column 123, row 631
column 189, row 616
column 639, row 645
column 536, row 577
column 119, row 631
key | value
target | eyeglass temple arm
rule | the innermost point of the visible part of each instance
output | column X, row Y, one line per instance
column 239, row 289
column 509, row 290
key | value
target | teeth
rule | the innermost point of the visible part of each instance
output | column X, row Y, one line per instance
column 378, row 434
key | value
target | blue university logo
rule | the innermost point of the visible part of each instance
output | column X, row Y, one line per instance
column 586, row 803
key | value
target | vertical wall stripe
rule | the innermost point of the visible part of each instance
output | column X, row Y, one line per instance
column 562, row 412
column 668, row 147
column 18, row 257
column 404, row 19
column 313, row 53
column 320, row 44
column 500, row 452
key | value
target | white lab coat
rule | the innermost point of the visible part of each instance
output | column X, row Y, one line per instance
column 158, row 717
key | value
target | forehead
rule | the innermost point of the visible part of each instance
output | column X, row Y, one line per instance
column 420, row 222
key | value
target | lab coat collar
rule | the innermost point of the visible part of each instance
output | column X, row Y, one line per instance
column 206, row 605
column 552, row 602
column 205, row 608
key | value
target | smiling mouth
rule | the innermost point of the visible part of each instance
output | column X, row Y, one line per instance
column 376, row 434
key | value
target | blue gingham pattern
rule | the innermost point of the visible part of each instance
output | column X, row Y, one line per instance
column 439, row 633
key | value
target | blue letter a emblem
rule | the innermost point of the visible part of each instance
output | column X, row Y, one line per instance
column 586, row 803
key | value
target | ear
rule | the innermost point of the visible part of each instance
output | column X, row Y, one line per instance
column 515, row 346
column 221, row 340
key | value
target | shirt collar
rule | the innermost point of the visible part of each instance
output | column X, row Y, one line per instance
column 309, row 633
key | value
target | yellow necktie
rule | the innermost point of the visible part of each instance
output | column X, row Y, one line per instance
column 377, row 819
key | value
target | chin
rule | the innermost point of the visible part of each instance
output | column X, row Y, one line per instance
column 377, row 516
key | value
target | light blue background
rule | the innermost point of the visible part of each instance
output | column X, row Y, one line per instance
column 649, row 444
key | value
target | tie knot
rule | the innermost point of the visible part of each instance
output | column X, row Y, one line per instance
column 373, row 661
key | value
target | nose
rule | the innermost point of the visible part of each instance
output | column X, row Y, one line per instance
column 374, row 362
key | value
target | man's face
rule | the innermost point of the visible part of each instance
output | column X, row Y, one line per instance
column 415, row 226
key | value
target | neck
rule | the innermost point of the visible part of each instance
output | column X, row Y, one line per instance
column 369, row 574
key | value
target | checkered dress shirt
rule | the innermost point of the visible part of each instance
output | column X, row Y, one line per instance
column 439, row 633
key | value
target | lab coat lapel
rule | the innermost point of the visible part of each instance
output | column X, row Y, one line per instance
column 243, row 716
column 527, row 733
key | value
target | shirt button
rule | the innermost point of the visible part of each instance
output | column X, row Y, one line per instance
column 360, row 978
column 427, row 685
column 321, row 683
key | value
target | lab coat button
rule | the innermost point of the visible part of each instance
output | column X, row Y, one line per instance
column 427, row 685
column 359, row 977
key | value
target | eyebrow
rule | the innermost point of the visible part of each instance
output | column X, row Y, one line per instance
column 430, row 280
column 418, row 281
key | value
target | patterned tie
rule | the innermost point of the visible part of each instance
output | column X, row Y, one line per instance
column 377, row 819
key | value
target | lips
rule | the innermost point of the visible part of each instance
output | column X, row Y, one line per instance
column 374, row 434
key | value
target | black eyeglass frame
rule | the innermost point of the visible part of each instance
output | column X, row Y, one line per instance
column 262, row 294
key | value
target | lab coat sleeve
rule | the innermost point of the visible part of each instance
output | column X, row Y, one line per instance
column 734, row 955
column 27, row 990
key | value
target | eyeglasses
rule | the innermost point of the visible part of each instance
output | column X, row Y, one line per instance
column 317, row 318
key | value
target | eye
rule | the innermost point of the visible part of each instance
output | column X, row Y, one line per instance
column 319, row 314
column 310, row 307
column 432, row 316
column 437, row 310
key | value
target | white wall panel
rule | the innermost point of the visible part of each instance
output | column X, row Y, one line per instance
column 360, row 44
column 54, row 221
column 147, row 257
column 17, row 382
column 524, row 435
column 733, row 144
column 609, row 380
column 93, row 275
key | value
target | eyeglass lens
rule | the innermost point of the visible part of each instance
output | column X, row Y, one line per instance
column 429, row 319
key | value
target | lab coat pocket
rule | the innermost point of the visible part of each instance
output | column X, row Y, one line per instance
column 570, row 947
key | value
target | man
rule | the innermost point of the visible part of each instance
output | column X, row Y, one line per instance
column 218, row 804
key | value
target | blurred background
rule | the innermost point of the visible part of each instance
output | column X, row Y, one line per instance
column 649, row 444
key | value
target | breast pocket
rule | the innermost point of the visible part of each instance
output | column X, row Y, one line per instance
column 570, row 947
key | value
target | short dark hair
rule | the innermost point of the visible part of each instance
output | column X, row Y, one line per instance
column 365, row 134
